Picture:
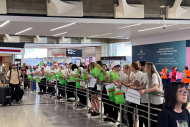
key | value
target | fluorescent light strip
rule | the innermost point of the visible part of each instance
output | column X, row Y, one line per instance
column 63, row 26
column 23, row 31
column 155, row 28
column 60, row 34
column 116, row 36
column 4, row 23
column 130, row 26
column 100, row 35
column 184, row 28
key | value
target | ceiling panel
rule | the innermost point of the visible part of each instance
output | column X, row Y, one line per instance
column 86, row 28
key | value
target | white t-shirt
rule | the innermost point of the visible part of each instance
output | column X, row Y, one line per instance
column 28, row 71
column 144, row 97
column 154, row 99
column 47, row 69
column 135, row 76
column 63, row 72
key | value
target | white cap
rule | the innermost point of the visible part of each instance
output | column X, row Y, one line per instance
column 62, row 66
column 66, row 63
column 56, row 64
column 44, row 62
column 114, row 64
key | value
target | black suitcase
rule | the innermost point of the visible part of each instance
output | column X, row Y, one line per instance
column 5, row 95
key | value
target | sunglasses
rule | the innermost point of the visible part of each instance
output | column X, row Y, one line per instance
column 183, row 92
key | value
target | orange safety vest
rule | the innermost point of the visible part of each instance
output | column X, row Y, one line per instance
column 164, row 76
column 185, row 80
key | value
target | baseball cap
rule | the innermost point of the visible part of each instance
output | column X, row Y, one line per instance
column 56, row 64
column 44, row 62
column 114, row 64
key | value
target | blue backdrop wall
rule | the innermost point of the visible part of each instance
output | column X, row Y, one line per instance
column 162, row 54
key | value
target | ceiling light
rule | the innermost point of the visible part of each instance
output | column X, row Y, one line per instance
column 4, row 23
column 63, row 26
column 130, row 26
column 184, row 28
column 155, row 28
column 116, row 36
column 60, row 34
column 100, row 35
column 23, row 31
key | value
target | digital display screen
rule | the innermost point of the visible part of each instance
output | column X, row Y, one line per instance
column 73, row 53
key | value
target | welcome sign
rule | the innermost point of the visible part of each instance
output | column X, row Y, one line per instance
column 162, row 54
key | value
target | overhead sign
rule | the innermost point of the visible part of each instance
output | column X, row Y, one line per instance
column 59, row 54
column 73, row 53
column 11, row 50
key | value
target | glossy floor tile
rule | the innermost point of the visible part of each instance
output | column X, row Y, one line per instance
column 42, row 111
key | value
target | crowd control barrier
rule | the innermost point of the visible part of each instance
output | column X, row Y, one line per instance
column 86, row 92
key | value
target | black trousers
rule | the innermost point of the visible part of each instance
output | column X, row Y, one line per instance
column 71, row 88
column 16, row 87
column 153, row 111
column 141, row 119
column 82, row 96
column 164, row 82
column 42, row 85
column 26, row 83
column 105, row 99
column 131, row 114
column 61, row 89
column 113, row 111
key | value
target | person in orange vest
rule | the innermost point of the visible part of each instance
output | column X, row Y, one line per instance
column 186, row 72
column 164, row 76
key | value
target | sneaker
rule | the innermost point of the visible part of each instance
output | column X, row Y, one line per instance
column 62, row 100
column 95, row 114
column 18, row 102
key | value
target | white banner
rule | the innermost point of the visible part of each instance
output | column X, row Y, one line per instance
column 92, row 83
column 109, row 86
column 133, row 96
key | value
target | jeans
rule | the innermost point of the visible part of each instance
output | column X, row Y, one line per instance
column 16, row 87
column 164, row 82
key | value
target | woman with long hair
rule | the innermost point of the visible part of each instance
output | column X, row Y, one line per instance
column 174, row 73
column 133, row 77
column 154, row 83
column 174, row 113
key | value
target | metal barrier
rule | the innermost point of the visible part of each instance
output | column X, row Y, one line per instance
column 67, row 88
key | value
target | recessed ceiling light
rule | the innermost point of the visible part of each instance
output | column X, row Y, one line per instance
column 63, row 26
column 116, row 36
column 184, row 28
column 155, row 28
column 60, row 34
column 23, row 31
column 100, row 35
column 4, row 23
column 130, row 26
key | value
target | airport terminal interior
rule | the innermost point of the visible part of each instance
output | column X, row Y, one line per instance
column 94, row 63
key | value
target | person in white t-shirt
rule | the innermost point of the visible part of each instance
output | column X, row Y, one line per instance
column 154, row 83
column 133, row 79
column 46, row 68
column 71, row 86
column 42, row 83
column 144, row 97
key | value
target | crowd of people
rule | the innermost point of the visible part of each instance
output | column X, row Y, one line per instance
column 141, row 76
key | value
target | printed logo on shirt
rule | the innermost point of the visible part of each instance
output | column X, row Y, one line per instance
column 119, row 75
column 182, row 123
column 141, row 79
column 133, row 78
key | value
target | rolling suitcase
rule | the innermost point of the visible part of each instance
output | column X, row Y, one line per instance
column 5, row 95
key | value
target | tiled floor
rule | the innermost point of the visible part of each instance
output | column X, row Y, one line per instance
column 41, row 111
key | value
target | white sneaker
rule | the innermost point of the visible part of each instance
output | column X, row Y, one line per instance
column 62, row 99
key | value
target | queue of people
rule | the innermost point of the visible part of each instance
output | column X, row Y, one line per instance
column 141, row 76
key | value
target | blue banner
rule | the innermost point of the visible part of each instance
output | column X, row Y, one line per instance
column 162, row 54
